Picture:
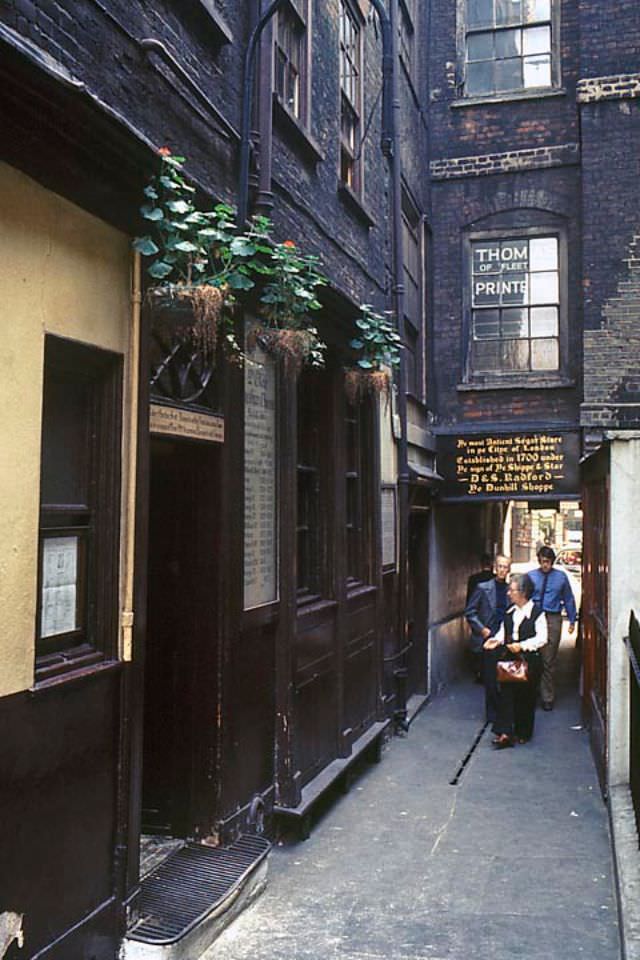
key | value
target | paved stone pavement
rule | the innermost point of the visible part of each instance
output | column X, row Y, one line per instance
column 513, row 862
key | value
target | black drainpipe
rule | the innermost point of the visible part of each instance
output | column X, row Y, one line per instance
column 247, row 102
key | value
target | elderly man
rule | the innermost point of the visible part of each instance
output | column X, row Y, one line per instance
column 485, row 612
column 552, row 592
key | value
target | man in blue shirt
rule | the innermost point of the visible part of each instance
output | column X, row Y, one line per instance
column 552, row 592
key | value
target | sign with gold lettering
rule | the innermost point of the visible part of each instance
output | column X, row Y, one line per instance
column 519, row 466
column 179, row 422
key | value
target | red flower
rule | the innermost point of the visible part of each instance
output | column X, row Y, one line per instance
column 164, row 151
column 289, row 244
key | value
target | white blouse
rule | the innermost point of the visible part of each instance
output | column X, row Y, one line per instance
column 523, row 613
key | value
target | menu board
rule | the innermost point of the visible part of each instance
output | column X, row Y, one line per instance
column 58, row 613
column 260, row 480
column 509, row 466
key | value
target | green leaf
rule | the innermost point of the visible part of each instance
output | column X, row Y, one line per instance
column 365, row 364
column 150, row 192
column 169, row 183
column 238, row 281
column 145, row 246
column 151, row 213
column 356, row 344
column 160, row 269
column 178, row 206
column 185, row 246
column 240, row 247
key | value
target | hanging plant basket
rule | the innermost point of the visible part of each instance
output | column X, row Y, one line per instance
column 359, row 383
column 293, row 347
column 202, row 313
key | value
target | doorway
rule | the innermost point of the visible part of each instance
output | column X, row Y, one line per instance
column 180, row 694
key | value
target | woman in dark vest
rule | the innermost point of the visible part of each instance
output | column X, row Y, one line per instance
column 522, row 634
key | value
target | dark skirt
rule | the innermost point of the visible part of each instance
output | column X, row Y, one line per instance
column 516, row 704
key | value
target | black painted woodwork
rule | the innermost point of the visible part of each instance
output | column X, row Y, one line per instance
column 58, row 775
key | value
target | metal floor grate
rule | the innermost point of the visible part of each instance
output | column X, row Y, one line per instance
column 177, row 895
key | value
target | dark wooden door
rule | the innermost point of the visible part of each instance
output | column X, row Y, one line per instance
column 181, row 649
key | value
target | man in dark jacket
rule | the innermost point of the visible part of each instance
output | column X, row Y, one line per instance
column 485, row 612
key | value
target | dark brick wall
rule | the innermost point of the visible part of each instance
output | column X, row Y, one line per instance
column 494, row 165
column 609, row 99
column 460, row 129
column 609, row 37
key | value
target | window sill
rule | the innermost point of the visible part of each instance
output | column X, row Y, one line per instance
column 351, row 200
column 65, row 668
column 517, row 383
column 224, row 33
column 300, row 137
column 538, row 93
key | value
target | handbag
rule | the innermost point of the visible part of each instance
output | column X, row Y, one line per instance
column 512, row 671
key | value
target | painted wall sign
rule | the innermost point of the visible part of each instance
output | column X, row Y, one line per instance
column 388, row 526
column 260, row 480
column 177, row 422
column 521, row 466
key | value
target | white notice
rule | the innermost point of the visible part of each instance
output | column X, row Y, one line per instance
column 59, row 586
column 260, row 486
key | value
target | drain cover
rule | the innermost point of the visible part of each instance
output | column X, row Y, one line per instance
column 191, row 883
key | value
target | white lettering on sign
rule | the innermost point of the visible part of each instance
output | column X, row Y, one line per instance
column 502, row 254
column 497, row 287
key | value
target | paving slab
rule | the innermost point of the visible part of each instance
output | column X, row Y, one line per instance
column 512, row 862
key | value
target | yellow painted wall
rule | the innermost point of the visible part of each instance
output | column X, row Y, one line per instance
column 62, row 271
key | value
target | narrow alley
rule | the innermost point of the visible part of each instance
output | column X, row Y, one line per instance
column 513, row 861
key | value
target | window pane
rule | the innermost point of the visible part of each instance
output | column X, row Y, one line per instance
column 514, row 323
column 536, row 40
column 544, row 287
column 486, row 258
column 515, row 355
column 480, row 46
column 508, row 44
column 486, row 291
column 486, row 325
column 537, row 71
column 544, row 321
column 480, row 13
column 545, row 355
column 486, row 356
column 543, row 253
column 508, row 11
column 513, row 289
column 479, row 78
column 535, row 10
column 508, row 75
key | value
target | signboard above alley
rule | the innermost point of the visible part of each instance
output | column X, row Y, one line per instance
column 516, row 466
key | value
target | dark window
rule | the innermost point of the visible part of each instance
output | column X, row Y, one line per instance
column 350, row 98
column 412, row 242
column 406, row 35
column 79, row 497
column 358, row 504
column 508, row 46
column 309, row 485
column 290, row 59
column 515, row 305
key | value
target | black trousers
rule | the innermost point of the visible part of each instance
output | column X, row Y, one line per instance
column 516, row 706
